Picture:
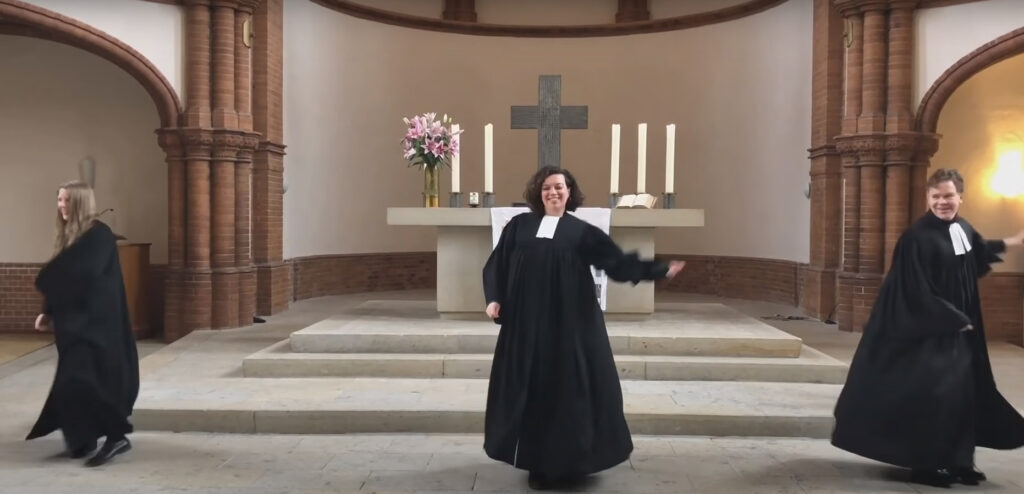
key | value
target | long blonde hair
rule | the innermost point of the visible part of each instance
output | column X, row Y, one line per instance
column 81, row 214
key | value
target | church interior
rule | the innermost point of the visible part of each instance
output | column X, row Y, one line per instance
column 309, row 321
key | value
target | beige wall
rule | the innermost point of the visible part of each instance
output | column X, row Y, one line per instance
column 739, row 93
column 58, row 105
column 155, row 30
column 944, row 35
column 983, row 118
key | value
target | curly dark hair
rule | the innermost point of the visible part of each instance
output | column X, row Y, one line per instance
column 947, row 175
column 536, row 183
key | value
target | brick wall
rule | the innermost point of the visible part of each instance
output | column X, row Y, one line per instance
column 739, row 277
column 317, row 276
column 1002, row 303
column 19, row 301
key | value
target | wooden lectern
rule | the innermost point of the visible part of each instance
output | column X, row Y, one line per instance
column 134, row 259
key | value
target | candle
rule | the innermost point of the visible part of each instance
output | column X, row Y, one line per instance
column 670, row 158
column 489, row 158
column 455, row 158
column 641, row 159
column 615, row 158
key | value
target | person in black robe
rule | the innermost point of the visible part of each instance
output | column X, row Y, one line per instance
column 554, row 403
column 97, row 378
column 920, row 391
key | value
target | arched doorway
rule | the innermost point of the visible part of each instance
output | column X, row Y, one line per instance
column 29, row 21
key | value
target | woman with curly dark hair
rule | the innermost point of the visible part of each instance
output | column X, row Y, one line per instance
column 554, row 403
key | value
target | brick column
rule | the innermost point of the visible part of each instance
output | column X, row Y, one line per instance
column 864, row 149
column 196, row 279
column 225, row 276
column 224, row 114
column 851, row 228
column 273, row 275
column 899, row 121
column 818, row 296
column 171, row 142
column 874, row 69
column 243, row 230
column 197, row 53
column 899, row 117
column 243, row 56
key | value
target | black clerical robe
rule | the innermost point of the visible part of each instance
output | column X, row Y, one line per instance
column 920, row 392
column 554, row 403
column 97, row 377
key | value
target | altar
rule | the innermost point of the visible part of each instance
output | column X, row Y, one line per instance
column 464, row 243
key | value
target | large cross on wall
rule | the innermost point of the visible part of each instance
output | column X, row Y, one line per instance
column 549, row 117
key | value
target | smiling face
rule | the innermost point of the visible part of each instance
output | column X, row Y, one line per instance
column 944, row 200
column 63, row 203
column 554, row 193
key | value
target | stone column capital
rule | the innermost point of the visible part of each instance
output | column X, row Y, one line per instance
column 170, row 140
column 910, row 147
column 198, row 141
column 868, row 148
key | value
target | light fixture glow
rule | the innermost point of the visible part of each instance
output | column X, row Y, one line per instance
column 1008, row 180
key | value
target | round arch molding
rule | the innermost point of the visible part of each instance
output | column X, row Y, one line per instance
column 23, row 19
column 991, row 53
column 357, row 9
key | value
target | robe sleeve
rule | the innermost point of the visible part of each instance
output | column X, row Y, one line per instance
column 497, row 266
column 598, row 249
column 909, row 304
column 986, row 252
column 68, row 277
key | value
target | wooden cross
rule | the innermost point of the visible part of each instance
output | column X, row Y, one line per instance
column 549, row 117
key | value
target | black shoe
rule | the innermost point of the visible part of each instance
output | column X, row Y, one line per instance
column 934, row 478
column 541, row 482
column 538, row 481
column 109, row 450
column 82, row 451
column 969, row 475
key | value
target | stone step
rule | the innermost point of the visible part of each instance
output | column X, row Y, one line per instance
column 694, row 329
column 482, row 341
column 350, row 405
column 277, row 360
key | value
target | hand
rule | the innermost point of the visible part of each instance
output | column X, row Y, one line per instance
column 42, row 322
column 967, row 328
column 674, row 267
column 1017, row 239
column 493, row 310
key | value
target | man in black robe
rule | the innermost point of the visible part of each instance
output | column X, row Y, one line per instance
column 920, row 392
column 97, row 378
column 554, row 403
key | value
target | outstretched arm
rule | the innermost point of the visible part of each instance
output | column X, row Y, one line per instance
column 599, row 250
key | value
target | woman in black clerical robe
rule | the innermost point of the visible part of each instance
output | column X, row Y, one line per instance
column 554, row 403
column 920, row 392
column 97, row 377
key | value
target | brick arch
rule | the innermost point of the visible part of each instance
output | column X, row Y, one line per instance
column 23, row 19
column 991, row 53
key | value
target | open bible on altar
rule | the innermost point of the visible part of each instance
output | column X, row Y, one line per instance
column 645, row 201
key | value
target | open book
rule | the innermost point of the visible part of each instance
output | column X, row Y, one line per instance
column 645, row 201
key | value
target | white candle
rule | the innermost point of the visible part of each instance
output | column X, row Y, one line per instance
column 615, row 158
column 670, row 158
column 455, row 159
column 641, row 159
column 489, row 158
